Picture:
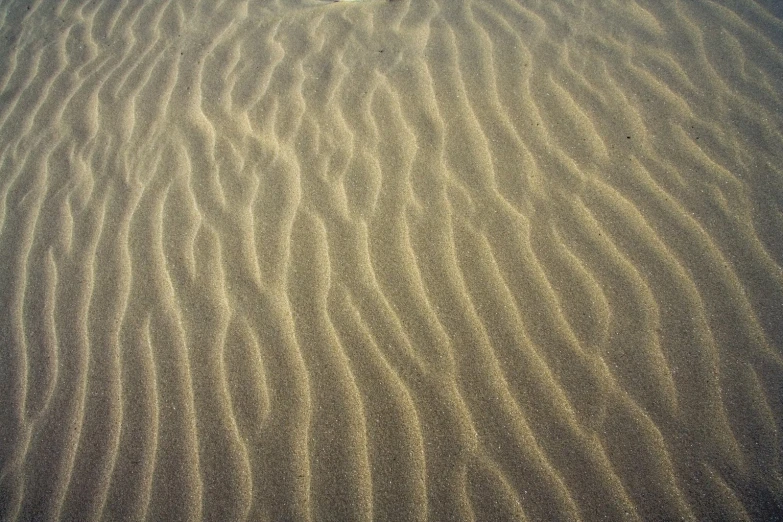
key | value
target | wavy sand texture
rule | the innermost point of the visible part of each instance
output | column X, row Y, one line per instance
column 408, row 260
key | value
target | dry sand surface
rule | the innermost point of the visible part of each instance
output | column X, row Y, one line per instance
column 302, row 260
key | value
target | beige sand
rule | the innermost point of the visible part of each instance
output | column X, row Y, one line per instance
column 411, row 260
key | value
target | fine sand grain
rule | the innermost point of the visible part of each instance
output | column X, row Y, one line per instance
column 309, row 260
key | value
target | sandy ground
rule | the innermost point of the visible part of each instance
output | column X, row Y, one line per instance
column 391, row 260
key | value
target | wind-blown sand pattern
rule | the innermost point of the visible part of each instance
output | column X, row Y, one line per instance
column 391, row 260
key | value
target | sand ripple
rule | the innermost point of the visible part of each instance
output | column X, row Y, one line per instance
column 391, row 260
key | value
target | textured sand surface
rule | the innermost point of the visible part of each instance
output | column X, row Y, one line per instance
column 391, row 260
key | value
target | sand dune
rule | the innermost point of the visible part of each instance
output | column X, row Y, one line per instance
column 391, row 260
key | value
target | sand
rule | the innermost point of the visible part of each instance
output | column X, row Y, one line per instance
column 391, row 260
